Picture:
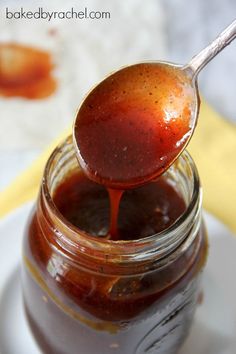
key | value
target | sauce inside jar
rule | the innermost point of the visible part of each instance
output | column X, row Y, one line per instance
column 143, row 212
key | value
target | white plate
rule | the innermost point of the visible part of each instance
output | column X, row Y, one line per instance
column 214, row 329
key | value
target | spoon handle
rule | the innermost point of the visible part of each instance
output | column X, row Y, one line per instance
column 200, row 60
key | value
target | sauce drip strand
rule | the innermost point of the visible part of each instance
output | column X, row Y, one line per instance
column 25, row 72
column 132, row 126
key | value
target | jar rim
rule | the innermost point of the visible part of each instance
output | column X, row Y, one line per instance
column 76, row 240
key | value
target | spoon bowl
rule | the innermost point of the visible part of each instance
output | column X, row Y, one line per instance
column 133, row 124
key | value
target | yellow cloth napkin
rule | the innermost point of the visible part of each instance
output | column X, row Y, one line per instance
column 213, row 148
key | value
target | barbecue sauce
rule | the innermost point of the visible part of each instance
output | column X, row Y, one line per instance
column 78, row 301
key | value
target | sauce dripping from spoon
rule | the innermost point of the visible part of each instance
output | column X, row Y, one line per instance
column 134, row 124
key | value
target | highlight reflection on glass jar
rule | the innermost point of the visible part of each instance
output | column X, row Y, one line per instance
column 91, row 295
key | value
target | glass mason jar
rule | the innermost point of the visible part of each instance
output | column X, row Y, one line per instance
column 90, row 295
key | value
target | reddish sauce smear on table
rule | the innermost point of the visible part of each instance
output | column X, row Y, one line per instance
column 132, row 126
column 25, row 72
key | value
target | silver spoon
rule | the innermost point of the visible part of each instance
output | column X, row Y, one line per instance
column 136, row 122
